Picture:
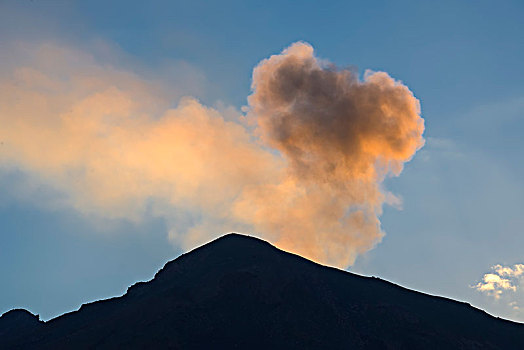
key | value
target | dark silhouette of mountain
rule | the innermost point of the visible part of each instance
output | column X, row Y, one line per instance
column 241, row 292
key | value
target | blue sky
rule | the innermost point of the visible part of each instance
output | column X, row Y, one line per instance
column 462, row 193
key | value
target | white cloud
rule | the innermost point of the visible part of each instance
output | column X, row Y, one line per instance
column 494, row 285
column 516, row 271
column 504, row 284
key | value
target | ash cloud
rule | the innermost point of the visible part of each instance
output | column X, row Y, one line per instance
column 308, row 178
column 340, row 137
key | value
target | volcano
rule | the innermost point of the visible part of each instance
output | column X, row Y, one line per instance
column 241, row 292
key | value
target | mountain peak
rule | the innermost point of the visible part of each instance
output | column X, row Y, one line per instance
column 235, row 243
column 19, row 315
column 18, row 321
column 240, row 291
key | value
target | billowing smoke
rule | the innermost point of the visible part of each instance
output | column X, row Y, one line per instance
column 340, row 137
column 308, row 178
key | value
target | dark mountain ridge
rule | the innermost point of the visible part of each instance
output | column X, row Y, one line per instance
column 242, row 292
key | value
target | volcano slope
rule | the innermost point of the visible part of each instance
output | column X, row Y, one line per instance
column 242, row 292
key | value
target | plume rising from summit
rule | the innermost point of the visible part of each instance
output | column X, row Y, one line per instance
column 308, row 176
column 339, row 137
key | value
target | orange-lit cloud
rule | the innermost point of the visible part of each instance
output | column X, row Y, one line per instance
column 340, row 137
column 308, row 178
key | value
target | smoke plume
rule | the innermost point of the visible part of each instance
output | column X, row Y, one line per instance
column 340, row 137
column 307, row 177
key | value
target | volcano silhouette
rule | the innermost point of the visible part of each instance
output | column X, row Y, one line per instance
column 241, row 292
